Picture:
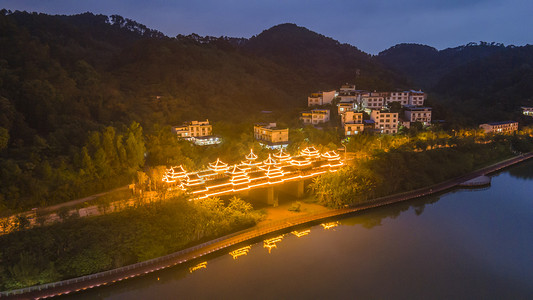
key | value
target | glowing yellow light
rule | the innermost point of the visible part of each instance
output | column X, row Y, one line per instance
column 330, row 225
column 219, row 179
column 241, row 251
column 202, row 265
column 282, row 156
column 310, row 152
column 301, row 233
column 218, row 166
column 271, row 243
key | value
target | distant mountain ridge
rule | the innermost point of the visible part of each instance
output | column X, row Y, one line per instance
column 478, row 82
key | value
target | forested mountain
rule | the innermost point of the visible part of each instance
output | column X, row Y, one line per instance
column 476, row 83
column 77, row 91
column 84, row 97
column 321, row 60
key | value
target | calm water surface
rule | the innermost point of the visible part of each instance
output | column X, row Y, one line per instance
column 464, row 244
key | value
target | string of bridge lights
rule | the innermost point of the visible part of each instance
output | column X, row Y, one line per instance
column 220, row 178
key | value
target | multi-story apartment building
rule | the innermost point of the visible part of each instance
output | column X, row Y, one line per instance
column 315, row 116
column 271, row 136
column 384, row 121
column 416, row 98
column 418, row 114
column 352, row 123
column 401, row 97
column 321, row 98
column 373, row 100
column 411, row 97
column 500, row 127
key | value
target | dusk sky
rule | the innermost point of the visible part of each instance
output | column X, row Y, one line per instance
column 371, row 25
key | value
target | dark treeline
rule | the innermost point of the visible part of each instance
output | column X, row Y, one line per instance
column 63, row 78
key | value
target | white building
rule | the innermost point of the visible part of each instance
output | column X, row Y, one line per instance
column 384, row 121
column 373, row 100
column 418, row 114
column 321, row 98
column 315, row 116
column 528, row 111
column 411, row 97
column 401, row 97
column 500, row 127
column 416, row 98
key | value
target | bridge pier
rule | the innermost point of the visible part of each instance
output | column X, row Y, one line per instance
column 268, row 194
column 272, row 196
column 293, row 188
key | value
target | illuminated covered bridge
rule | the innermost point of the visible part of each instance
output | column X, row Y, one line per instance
column 279, row 170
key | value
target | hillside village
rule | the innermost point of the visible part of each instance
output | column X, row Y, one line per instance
column 357, row 111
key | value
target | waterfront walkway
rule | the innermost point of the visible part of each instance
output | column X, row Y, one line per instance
column 109, row 277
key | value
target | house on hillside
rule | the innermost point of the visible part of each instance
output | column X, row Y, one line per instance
column 315, row 116
column 198, row 132
column 270, row 136
column 504, row 127
column 384, row 121
column 321, row 98
column 418, row 114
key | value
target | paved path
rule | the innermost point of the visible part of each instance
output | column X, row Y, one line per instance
column 108, row 277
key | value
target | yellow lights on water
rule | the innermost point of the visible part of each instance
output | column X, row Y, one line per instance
column 301, row 233
column 330, row 225
column 202, row 265
column 271, row 243
column 240, row 252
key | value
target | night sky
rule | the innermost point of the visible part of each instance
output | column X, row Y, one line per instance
column 371, row 25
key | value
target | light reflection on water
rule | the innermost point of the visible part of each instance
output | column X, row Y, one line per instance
column 463, row 244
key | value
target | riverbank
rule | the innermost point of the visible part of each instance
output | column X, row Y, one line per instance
column 108, row 277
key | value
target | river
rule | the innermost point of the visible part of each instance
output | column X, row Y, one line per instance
column 463, row 244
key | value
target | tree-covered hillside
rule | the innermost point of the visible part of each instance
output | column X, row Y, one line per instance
column 69, row 85
column 475, row 83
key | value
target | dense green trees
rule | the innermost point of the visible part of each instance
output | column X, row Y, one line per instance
column 398, row 170
column 88, row 245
